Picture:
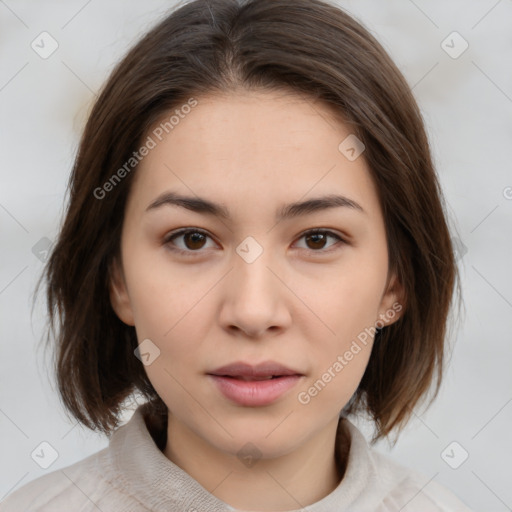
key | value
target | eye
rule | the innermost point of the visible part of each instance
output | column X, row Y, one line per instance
column 193, row 239
column 317, row 238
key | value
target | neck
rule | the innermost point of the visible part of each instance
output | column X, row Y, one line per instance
column 288, row 482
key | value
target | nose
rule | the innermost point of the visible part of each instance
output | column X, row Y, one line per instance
column 255, row 298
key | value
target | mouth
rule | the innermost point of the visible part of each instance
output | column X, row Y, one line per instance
column 262, row 371
column 252, row 386
column 249, row 379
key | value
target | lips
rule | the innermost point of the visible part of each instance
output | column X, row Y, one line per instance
column 255, row 386
column 264, row 371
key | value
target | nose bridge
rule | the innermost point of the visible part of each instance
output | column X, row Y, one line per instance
column 254, row 300
column 251, row 273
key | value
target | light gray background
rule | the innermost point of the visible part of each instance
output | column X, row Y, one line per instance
column 467, row 106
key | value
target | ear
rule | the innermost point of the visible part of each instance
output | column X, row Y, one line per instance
column 119, row 298
column 392, row 305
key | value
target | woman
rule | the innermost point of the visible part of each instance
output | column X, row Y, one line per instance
column 255, row 242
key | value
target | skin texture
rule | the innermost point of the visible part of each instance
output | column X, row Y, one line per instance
column 301, row 303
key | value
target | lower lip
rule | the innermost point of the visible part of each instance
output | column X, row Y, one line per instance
column 256, row 392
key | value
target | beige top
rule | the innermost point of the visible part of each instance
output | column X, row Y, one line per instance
column 132, row 474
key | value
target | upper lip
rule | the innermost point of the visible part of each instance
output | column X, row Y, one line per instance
column 265, row 369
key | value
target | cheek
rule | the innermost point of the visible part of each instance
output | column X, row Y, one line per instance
column 335, row 383
column 173, row 311
column 174, row 308
column 340, row 350
column 349, row 302
column 162, row 297
column 348, row 308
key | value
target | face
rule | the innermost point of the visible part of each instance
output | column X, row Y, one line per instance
column 261, row 281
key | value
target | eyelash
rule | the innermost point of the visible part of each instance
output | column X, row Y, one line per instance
column 171, row 236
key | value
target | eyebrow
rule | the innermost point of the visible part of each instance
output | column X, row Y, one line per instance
column 288, row 211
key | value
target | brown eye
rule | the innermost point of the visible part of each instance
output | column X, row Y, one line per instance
column 316, row 240
column 193, row 240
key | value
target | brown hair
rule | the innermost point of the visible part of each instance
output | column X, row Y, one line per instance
column 309, row 47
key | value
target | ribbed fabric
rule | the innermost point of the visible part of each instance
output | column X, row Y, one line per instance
column 133, row 475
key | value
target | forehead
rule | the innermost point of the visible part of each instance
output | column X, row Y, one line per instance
column 252, row 147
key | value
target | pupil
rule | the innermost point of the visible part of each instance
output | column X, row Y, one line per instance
column 195, row 237
column 320, row 239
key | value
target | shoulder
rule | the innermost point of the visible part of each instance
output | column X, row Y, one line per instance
column 409, row 490
column 80, row 486
column 391, row 487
